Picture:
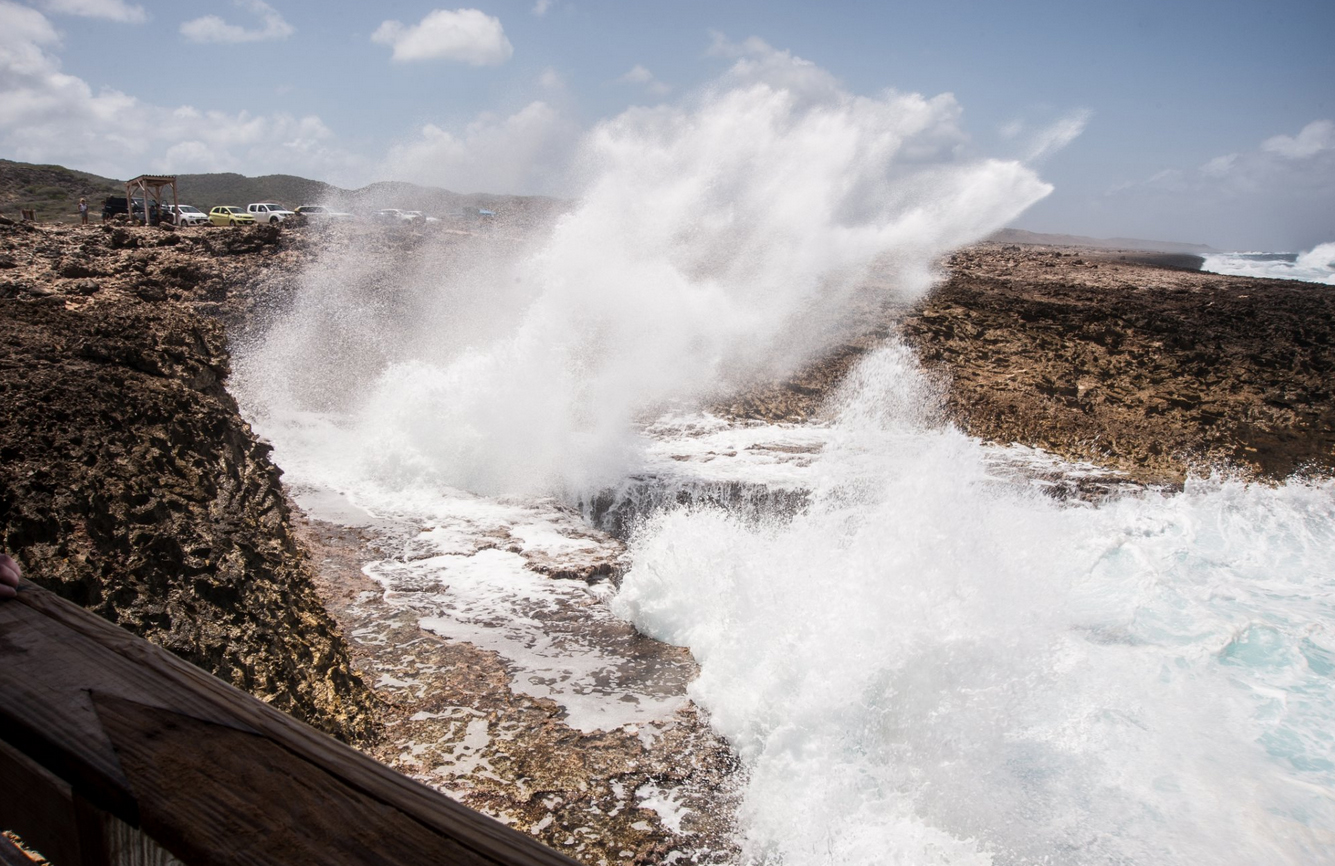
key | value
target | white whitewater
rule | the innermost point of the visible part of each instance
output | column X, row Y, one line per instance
column 929, row 666
column 932, row 662
column 1317, row 265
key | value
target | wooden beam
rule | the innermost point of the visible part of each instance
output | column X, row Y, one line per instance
column 210, row 773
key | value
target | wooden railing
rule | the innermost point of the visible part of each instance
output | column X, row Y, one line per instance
column 114, row 752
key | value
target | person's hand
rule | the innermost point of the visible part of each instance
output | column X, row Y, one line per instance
column 9, row 576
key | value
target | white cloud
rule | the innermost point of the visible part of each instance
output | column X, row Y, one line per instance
column 550, row 79
column 48, row 116
column 540, row 8
column 1278, row 195
column 1220, row 165
column 640, row 75
column 466, row 35
column 1305, row 161
column 1317, row 136
column 1056, row 136
column 211, row 28
column 759, row 62
column 524, row 153
column 111, row 10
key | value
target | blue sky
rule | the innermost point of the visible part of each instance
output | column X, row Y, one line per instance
column 1207, row 122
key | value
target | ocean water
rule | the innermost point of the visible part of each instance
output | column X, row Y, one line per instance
column 930, row 666
column 1314, row 266
column 919, row 655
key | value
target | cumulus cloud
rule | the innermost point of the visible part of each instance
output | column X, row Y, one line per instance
column 524, row 152
column 1316, row 137
column 464, row 35
column 540, row 8
column 759, row 62
column 642, row 76
column 111, row 10
column 49, row 116
column 211, row 28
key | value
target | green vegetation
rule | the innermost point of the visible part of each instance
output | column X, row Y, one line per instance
column 51, row 191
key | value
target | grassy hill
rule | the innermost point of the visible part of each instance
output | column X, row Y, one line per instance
column 210, row 190
column 54, row 191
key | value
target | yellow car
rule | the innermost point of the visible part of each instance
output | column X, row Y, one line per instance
column 228, row 215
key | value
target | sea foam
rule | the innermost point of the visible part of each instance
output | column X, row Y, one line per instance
column 926, row 666
column 1314, row 266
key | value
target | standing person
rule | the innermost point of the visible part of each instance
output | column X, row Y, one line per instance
column 83, row 211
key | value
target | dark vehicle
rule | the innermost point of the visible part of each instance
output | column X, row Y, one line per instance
column 118, row 204
column 114, row 204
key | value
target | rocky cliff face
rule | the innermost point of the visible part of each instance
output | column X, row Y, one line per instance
column 1113, row 358
column 129, row 482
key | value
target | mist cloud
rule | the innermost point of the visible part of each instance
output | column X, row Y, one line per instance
column 521, row 153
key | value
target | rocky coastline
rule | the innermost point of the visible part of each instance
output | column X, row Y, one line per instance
column 1133, row 361
column 130, row 483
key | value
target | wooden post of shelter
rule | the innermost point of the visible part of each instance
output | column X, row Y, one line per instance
column 154, row 182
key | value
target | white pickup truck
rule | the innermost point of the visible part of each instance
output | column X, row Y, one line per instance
column 268, row 212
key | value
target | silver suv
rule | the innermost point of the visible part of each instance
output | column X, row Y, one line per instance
column 268, row 212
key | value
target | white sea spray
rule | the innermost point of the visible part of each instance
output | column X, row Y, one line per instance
column 928, row 666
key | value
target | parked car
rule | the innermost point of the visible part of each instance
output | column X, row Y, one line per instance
column 268, row 212
column 184, row 215
column 320, row 213
column 114, row 205
column 230, row 215
column 392, row 215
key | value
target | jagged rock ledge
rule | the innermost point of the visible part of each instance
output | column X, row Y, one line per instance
column 129, row 482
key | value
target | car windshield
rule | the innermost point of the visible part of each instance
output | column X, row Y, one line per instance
column 185, row 208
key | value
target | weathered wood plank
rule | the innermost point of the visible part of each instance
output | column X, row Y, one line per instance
column 104, row 666
column 166, row 756
column 177, row 685
column 10, row 855
column 38, row 806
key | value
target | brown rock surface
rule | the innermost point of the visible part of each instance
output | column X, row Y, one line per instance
column 1130, row 360
column 1114, row 359
column 130, row 484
